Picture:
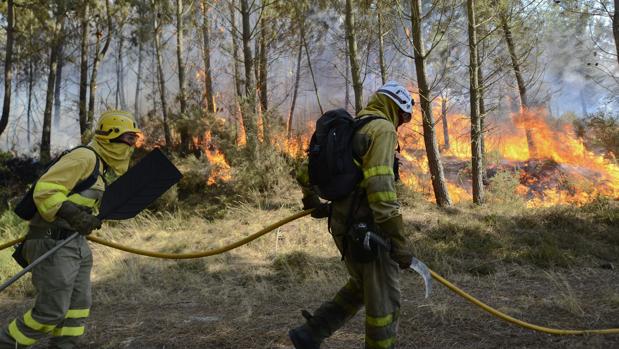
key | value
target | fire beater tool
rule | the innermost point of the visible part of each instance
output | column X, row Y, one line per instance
column 126, row 197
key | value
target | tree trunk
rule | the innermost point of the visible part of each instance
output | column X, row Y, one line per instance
column 522, row 89
column 179, row 55
column 8, row 67
column 264, row 47
column 347, row 78
column 352, row 56
column 206, row 56
column 161, row 83
column 58, row 83
column 429, row 136
column 309, row 64
column 29, row 106
column 120, row 73
column 83, row 112
column 482, row 118
column 477, row 156
column 241, row 135
column 264, row 75
column 616, row 28
column 186, row 144
column 256, row 65
column 235, row 51
column 249, row 102
column 138, row 80
column 45, row 150
column 445, row 124
column 381, row 48
column 87, row 136
column 295, row 89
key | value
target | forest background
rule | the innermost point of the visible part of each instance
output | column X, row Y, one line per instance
column 508, row 170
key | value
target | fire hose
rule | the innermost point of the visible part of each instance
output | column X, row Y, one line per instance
column 435, row 276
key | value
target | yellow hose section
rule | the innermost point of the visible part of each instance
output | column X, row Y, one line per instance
column 515, row 321
column 205, row 253
column 278, row 224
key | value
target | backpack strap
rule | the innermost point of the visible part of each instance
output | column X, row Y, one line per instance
column 90, row 180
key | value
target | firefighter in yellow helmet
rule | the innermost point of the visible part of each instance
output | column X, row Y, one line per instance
column 64, row 206
column 374, row 281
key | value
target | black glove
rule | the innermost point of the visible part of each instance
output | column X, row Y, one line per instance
column 322, row 211
column 310, row 201
column 401, row 251
column 80, row 220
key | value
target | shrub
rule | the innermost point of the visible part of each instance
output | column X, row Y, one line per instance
column 599, row 130
column 503, row 189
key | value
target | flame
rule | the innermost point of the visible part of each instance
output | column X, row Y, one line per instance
column 295, row 146
column 583, row 174
column 220, row 169
column 241, row 136
column 574, row 174
column 141, row 140
column 260, row 124
column 562, row 170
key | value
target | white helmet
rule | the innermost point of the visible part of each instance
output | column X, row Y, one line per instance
column 399, row 95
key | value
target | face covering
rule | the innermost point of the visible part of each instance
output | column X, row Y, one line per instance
column 115, row 155
column 381, row 105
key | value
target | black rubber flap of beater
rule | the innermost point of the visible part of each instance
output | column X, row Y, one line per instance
column 139, row 187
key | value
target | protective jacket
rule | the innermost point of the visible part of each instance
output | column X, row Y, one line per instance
column 375, row 283
column 375, row 144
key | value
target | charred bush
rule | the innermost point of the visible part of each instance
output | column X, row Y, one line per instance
column 16, row 174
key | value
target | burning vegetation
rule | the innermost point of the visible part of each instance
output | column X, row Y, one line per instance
column 560, row 170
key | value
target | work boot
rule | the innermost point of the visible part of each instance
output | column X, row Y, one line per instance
column 302, row 338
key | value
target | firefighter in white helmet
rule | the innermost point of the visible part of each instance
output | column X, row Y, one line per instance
column 374, row 276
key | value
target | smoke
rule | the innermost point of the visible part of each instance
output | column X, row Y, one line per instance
column 571, row 70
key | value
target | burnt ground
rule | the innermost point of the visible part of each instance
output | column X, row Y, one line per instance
column 541, row 297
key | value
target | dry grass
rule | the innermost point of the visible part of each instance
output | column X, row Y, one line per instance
column 541, row 265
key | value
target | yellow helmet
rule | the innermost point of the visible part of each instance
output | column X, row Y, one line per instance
column 114, row 123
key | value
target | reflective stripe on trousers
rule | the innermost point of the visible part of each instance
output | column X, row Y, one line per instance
column 63, row 296
column 375, row 285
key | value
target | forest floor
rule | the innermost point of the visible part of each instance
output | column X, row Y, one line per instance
column 554, row 267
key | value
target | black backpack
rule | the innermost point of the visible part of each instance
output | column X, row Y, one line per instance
column 332, row 165
column 26, row 208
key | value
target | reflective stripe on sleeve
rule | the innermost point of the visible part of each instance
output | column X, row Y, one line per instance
column 378, row 171
column 382, row 196
column 53, row 201
column 82, row 201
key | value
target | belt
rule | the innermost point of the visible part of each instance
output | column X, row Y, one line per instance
column 52, row 233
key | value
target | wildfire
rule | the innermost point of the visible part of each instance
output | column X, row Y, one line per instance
column 296, row 146
column 140, row 141
column 560, row 171
column 219, row 167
